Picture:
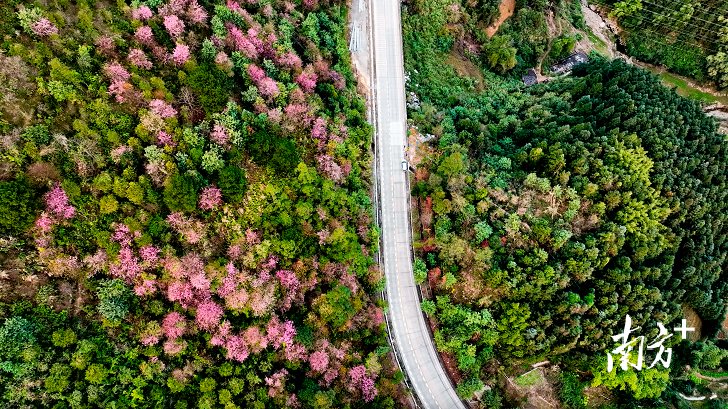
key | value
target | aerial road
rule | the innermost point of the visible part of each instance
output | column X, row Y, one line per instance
column 408, row 329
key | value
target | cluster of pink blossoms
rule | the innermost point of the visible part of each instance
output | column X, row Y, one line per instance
column 141, row 13
column 43, row 28
column 210, row 198
column 57, row 203
column 365, row 384
column 162, row 108
column 138, row 58
column 174, row 25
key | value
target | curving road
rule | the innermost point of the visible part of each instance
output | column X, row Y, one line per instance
column 410, row 334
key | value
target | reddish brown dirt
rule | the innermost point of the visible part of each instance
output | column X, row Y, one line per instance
column 506, row 10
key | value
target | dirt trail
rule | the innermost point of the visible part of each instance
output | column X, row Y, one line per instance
column 599, row 28
column 553, row 33
column 506, row 10
column 708, row 378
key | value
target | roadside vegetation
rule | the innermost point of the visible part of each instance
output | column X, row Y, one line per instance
column 547, row 214
column 184, row 209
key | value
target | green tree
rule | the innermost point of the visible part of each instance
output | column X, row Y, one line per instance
column 499, row 53
column 108, row 204
column 58, row 378
column 468, row 387
column 16, row 334
column 96, row 374
column 17, row 207
column 211, row 86
column 114, row 300
column 452, row 166
column 647, row 383
column 180, row 193
column 625, row 8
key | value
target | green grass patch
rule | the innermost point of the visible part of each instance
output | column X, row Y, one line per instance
column 687, row 91
column 529, row 379
column 600, row 46
column 713, row 374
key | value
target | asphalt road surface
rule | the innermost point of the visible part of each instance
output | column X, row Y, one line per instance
column 415, row 347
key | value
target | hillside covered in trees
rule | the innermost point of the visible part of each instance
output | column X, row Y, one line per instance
column 688, row 38
column 548, row 214
column 184, row 209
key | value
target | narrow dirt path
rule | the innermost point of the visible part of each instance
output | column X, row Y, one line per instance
column 708, row 378
column 554, row 32
column 507, row 7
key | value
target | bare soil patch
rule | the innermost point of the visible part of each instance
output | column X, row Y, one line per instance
column 417, row 148
column 507, row 7
column 693, row 320
column 466, row 68
column 537, row 388
column 598, row 396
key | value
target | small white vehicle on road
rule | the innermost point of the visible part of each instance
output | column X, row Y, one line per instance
column 405, row 166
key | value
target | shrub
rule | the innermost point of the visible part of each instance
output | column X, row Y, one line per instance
column 428, row 306
column 180, row 193
column 420, row 269
column 114, row 300
column 468, row 387
column 108, row 204
column 16, row 334
column 233, row 183
column 17, row 207
column 211, row 85
column 571, row 391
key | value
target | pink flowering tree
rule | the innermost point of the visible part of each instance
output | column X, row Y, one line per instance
column 116, row 72
column 280, row 333
column 43, row 28
column 220, row 135
column 196, row 13
column 106, row 45
column 237, row 349
column 318, row 360
column 275, row 383
column 192, row 230
column 45, row 222
column 174, row 325
column 290, row 60
column 307, row 81
column 145, row 36
column 359, row 380
column 141, row 13
column 162, row 108
column 165, row 139
column 210, row 198
column 174, row 25
column 149, row 254
column 138, row 58
column 57, row 203
column 256, row 73
column 181, row 54
column 208, row 315
column 319, row 129
column 268, row 88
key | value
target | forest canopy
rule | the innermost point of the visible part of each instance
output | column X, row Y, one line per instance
column 184, row 209
column 557, row 211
